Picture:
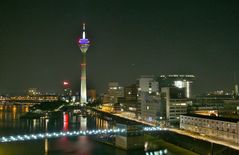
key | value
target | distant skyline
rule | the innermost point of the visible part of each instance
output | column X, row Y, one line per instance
column 38, row 42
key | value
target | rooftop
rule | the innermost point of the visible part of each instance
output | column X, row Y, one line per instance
column 178, row 76
column 214, row 118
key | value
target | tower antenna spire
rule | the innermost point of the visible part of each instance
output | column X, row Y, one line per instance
column 84, row 26
column 83, row 35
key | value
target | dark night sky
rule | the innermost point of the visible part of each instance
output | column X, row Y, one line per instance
column 128, row 39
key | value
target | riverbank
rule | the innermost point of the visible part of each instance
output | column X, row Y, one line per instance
column 118, row 116
column 186, row 140
column 11, row 125
column 156, row 143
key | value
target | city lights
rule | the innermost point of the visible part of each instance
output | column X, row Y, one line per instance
column 72, row 133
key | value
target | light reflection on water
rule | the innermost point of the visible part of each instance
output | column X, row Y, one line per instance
column 46, row 146
column 11, row 124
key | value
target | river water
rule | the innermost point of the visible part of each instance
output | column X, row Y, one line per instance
column 11, row 124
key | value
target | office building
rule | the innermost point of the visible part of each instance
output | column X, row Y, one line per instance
column 129, row 104
column 115, row 91
column 217, row 127
column 175, row 103
column 153, row 108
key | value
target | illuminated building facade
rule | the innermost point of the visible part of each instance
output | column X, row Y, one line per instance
column 115, row 92
column 175, row 103
column 112, row 97
column 230, row 109
column 180, row 81
column 33, row 92
column 152, row 108
column 129, row 103
column 84, row 44
column 147, row 83
column 222, row 128
column 164, row 98
column 224, row 104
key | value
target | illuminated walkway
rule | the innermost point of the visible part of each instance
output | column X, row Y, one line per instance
column 206, row 138
column 71, row 133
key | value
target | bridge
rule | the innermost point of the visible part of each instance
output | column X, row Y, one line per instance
column 32, row 99
column 26, row 137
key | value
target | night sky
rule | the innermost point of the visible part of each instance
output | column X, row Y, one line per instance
column 128, row 38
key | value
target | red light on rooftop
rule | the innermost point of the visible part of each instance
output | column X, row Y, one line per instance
column 65, row 83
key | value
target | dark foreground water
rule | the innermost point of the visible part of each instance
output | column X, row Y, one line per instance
column 10, row 124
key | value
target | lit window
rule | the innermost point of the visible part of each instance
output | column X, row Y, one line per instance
column 179, row 84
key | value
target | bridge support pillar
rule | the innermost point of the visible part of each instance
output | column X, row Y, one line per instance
column 133, row 138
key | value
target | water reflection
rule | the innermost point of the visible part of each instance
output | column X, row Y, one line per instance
column 46, row 146
column 65, row 121
column 12, row 112
column 11, row 124
column 34, row 124
column 83, row 123
column 46, row 124
column 1, row 115
column 25, row 108
column 1, row 107
column 102, row 124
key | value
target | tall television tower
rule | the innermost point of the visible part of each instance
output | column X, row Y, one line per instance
column 84, row 44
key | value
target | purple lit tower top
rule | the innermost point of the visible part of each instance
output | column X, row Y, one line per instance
column 83, row 40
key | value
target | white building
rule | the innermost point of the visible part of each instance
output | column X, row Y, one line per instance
column 174, row 106
column 152, row 107
column 222, row 128
column 149, row 98
column 147, row 83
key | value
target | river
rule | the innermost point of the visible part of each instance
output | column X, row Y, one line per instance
column 11, row 124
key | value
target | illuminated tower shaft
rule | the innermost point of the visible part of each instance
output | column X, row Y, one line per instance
column 83, row 79
column 84, row 45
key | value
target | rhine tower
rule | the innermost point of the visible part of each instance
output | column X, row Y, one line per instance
column 84, row 44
